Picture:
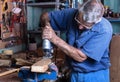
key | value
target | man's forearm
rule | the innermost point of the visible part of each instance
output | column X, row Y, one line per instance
column 48, row 33
column 73, row 52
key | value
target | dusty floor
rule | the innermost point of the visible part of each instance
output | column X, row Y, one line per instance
column 10, row 78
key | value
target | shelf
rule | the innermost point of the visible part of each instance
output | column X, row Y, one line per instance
column 44, row 4
column 114, row 19
column 11, row 38
column 34, row 32
column 16, row 48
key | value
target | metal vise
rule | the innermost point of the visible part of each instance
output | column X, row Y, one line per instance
column 27, row 76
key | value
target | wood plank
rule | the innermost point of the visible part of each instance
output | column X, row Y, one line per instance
column 9, row 72
column 41, row 66
column 8, row 52
column 23, row 62
column 4, row 62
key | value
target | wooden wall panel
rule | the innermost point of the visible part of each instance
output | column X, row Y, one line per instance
column 115, row 59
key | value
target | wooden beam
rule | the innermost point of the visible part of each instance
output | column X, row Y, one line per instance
column 9, row 72
column 12, row 71
column 41, row 66
column 23, row 62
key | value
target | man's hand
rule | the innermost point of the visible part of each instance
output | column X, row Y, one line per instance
column 76, row 54
column 44, row 19
column 53, row 67
column 48, row 33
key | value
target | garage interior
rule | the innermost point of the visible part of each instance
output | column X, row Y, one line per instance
column 21, row 41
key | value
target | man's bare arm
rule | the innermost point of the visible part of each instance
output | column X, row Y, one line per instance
column 48, row 33
column 71, row 51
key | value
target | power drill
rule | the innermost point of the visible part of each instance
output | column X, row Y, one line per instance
column 46, row 44
column 47, row 48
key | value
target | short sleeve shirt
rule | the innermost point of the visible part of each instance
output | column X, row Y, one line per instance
column 92, row 42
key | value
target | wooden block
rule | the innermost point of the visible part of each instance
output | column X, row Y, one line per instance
column 5, row 62
column 23, row 62
column 8, row 52
column 2, row 56
column 21, row 55
column 41, row 66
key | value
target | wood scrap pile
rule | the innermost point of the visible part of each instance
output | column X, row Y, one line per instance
column 35, row 61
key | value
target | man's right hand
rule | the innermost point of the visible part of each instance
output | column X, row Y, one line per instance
column 44, row 19
column 48, row 33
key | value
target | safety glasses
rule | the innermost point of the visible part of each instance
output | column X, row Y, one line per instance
column 86, row 25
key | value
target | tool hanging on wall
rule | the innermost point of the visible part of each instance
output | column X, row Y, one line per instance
column 5, row 29
column 4, row 6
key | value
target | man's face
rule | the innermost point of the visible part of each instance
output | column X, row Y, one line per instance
column 81, row 23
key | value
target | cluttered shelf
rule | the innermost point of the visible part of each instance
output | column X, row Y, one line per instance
column 44, row 4
column 11, row 38
column 113, row 19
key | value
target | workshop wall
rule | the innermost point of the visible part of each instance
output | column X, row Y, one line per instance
column 34, row 10
column 12, row 23
column 115, row 42
column 33, row 14
column 115, row 7
column 33, row 17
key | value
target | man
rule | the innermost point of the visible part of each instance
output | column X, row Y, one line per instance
column 88, row 37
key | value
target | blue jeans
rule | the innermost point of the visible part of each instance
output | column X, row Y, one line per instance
column 98, row 76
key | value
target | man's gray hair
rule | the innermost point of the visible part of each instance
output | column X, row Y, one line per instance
column 92, row 11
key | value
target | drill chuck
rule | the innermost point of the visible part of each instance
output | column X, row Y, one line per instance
column 47, row 48
column 46, row 44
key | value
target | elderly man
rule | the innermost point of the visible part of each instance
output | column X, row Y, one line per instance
column 88, row 36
